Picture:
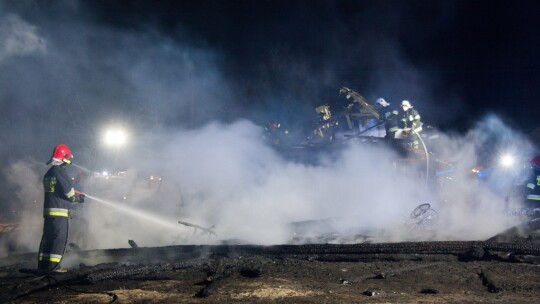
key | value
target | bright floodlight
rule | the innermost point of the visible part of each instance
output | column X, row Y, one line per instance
column 115, row 137
column 507, row 160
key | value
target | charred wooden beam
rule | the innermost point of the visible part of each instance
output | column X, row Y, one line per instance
column 94, row 274
column 392, row 272
column 522, row 230
column 211, row 284
column 471, row 250
column 487, row 281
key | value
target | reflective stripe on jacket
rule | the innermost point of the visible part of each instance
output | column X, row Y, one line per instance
column 56, row 212
column 533, row 197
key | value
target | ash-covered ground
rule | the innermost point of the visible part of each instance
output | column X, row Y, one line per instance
column 503, row 269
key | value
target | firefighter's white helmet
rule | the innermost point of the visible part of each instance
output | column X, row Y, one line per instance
column 406, row 105
column 382, row 102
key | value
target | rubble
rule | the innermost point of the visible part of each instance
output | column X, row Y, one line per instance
column 291, row 273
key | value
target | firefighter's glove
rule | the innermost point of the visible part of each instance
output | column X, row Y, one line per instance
column 80, row 198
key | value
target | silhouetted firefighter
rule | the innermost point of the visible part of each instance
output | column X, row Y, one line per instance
column 59, row 194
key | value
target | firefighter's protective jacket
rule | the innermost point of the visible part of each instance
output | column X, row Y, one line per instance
column 411, row 119
column 533, row 188
column 59, row 192
column 390, row 121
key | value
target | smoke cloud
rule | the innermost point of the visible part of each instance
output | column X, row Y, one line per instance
column 19, row 38
column 225, row 176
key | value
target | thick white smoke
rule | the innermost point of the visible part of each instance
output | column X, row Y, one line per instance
column 226, row 177
column 19, row 38
column 26, row 208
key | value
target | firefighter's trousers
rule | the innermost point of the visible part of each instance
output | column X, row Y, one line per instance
column 53, row 242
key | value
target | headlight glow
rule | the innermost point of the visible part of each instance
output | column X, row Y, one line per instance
column 507, row 160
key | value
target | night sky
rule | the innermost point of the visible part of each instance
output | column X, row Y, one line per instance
column 68, row 67
column 469, row 57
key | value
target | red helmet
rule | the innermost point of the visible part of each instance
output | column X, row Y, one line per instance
column 273, row 125
column 535, row 162
column 61, row 153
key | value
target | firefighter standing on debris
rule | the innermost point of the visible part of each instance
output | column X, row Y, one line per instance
column 274, row 133
column 325, row 124
column 59, row 195
column 410, row 123
column 532, row 200
column 389, row 117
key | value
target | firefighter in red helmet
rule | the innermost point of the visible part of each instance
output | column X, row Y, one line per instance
column 59, row 195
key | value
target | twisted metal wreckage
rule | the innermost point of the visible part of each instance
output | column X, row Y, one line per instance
column 356, row 121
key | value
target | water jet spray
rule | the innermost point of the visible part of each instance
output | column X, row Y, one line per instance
column 137, row 213
column 82, row 168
